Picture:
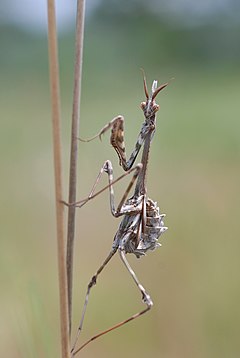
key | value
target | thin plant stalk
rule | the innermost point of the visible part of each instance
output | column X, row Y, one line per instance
column 74, row 149
column 56, row 119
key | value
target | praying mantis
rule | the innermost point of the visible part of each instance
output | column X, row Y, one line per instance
column 142, row 223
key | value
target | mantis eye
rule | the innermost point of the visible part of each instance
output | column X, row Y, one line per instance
column 155, row 107
column 143, row 105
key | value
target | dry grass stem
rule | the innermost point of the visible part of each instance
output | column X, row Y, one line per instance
column 55, row 100
column 74, row 147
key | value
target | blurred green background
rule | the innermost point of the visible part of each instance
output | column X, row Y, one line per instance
column 193, row 174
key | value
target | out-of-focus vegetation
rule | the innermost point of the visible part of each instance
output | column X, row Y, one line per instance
column 193, row 174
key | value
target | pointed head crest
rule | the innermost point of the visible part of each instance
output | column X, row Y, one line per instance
column 150, row 107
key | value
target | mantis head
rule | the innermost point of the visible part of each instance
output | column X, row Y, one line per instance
column 150, row 106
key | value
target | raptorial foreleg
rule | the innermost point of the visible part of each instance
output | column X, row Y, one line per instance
column 118, row 143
